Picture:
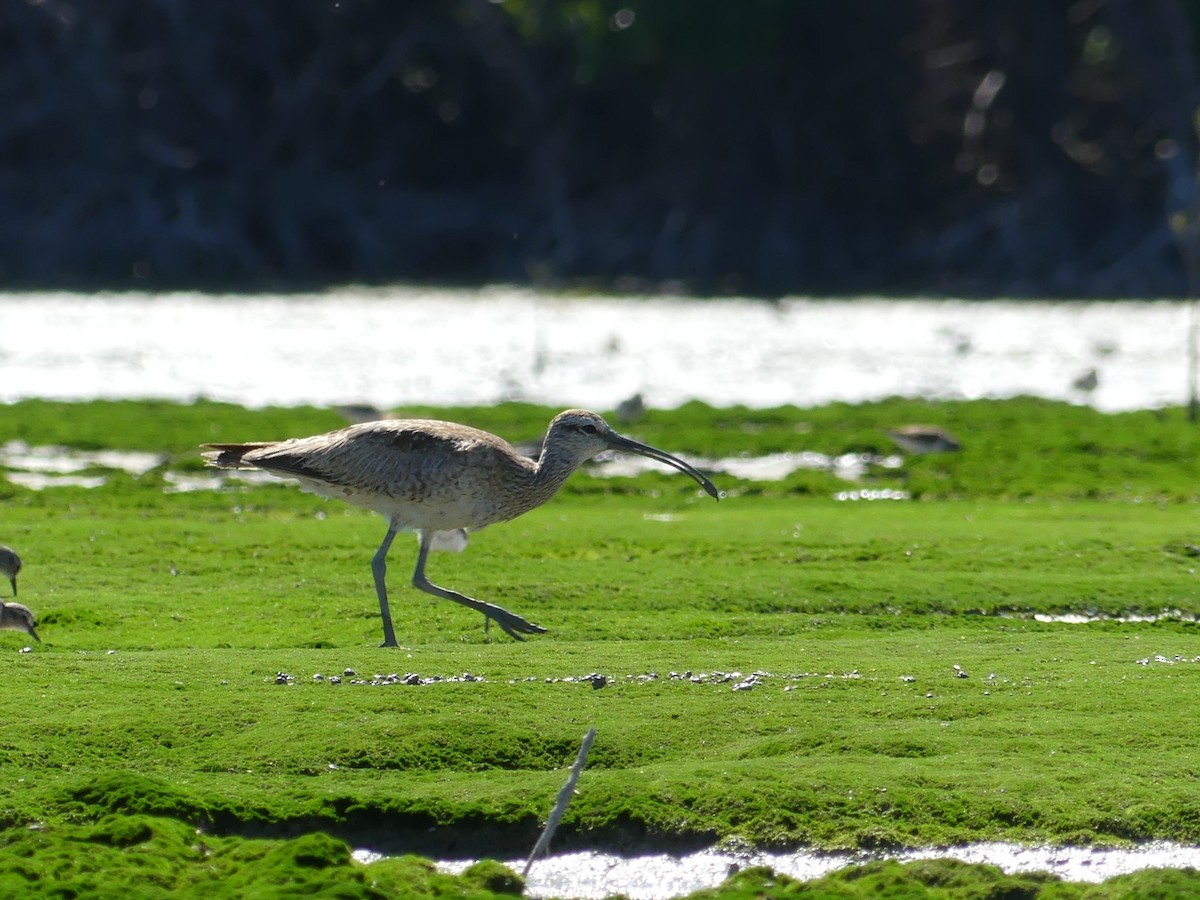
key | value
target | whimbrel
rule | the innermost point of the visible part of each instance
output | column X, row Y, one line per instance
column 10, row 565
column 439, row 479
column 17, row 617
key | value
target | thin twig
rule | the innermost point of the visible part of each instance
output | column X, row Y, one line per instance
column 560, row 802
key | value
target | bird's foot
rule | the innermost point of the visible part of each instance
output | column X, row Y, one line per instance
column 512, row 624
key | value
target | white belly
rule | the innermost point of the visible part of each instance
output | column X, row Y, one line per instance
column 406, row 515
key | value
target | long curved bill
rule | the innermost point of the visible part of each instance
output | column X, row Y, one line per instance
column 631, row 446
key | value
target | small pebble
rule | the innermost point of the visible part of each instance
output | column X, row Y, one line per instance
column 750, row 683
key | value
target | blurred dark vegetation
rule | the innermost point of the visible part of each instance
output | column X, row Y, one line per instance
column 970, row 147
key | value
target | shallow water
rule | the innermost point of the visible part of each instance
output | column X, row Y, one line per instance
column 660, row 877
column 397, row 346
column 41, row 467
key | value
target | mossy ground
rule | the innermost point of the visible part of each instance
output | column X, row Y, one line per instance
column 906, row 696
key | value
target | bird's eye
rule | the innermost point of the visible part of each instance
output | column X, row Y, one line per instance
column 588, row 429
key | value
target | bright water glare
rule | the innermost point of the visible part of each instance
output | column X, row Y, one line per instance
column 397, row 346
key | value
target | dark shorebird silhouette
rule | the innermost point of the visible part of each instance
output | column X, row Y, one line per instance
column 924, row 439
column 10, row 565
column 17, row 617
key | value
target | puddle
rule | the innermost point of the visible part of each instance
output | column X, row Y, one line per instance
column 180, row 483
column 771, row 467
column 661, row 877
column 1084, row 619
column 54, row 460
column 38, row 481
column 1166, row 615
column 52, row 466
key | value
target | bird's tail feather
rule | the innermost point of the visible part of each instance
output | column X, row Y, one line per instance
column 229, row 456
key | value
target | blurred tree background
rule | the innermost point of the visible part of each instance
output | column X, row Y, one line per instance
column 967, row 147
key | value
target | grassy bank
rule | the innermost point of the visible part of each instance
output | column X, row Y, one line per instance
column 905, row 694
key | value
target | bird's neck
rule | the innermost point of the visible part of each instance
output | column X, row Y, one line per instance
column 552, row 470
column 531, row 484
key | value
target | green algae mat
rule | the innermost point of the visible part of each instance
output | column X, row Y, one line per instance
column 1008, row 654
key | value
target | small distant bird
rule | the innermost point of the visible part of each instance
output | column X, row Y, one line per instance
column 924, row 439
column 631, row 409
column 438, row 479
column 358, row 412
column 17, row 617
column 1087, row 381
column 10, row 565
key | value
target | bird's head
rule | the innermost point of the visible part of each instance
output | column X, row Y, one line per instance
column 578, row 435
column 19, row 617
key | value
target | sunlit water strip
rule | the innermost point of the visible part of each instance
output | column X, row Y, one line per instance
column 661, row 877
column 41, row 467
column 401, row 346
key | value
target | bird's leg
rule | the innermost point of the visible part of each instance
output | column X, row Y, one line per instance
column 513, row 625
column 379, row 570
